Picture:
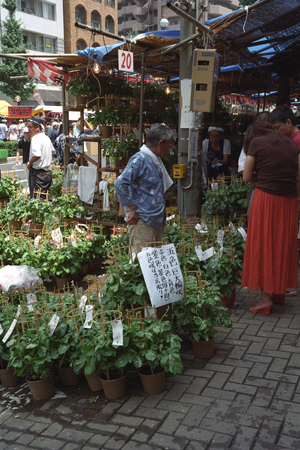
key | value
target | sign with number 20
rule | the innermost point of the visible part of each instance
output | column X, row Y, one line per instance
column 125, row 61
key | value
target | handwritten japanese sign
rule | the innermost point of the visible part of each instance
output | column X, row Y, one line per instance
column 20, row 111
column 162, row 274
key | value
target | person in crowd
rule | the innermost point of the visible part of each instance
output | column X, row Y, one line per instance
column 40, row 158
column 13, row 131
column 59, row 146
column 3, row 130
column 141, row 188
column 21, row 127
column 270, row 261
column 24, row 146
column 216, row 152
column 284, row 121
column 54, row 132
column 78, row 128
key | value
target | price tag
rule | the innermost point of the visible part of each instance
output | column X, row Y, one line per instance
column 117, row 328
column 31, row 298
column 199, row 252
column 170, row 217
column 125, row 61
column 82, row 302
column 202, row 228
column 232, row 227
column 57, row 236
column 243, row 233
column 19, row 311
column 53, row 323
column 89, row 317
column 220, row 236
column 10, row 330
column 36, row 241
column 1, row 329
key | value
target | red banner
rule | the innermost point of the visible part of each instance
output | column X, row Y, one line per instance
column 241, row 101
column 44, row 71
column 20, row 111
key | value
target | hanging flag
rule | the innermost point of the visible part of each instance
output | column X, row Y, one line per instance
column 44, row 71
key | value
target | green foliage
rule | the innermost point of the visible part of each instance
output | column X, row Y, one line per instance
column 9, row 186
column 11, row 42
column 68, row 206
column 57, row 183
column 116, row 147
column 39, row 211
column 215, row 202
column 17, row 208
column 237, row 195
column 12, row 147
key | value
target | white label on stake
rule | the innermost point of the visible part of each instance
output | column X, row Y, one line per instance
column 220, row 236
column 36, row 241
column 132, row 256
column 10, row 330
column 117, row 328
column 10, row 343
column 232, row 228
column 1, row 329
column 57, row 236
column 89, row 317
column 31, row 298
column 170, row 217
column 100, row 295
column 53, row 323
column 208, row 253
column 82, row 302
column 242, row 232
column 199, row 252
column 125, row 61
column 19, row 311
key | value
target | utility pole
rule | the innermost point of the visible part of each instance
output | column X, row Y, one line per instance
column 189, row 188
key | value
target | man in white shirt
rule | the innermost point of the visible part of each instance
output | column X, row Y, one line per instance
column 216, row 152
column 3, row 130
column 40, row 158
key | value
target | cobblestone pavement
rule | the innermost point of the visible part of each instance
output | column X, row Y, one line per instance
column 247, row 397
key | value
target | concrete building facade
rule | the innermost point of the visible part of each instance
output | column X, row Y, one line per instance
column 145, row 15
column 101, row 14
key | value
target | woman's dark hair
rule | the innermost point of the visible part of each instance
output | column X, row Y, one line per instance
column 14, row 121
column 257, row 129
column 61, row 129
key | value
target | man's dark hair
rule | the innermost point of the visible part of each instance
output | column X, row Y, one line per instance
column 282, row 114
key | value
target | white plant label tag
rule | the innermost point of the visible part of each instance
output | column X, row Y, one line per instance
column 243, row 233
column 232, row 227
column 89, row 317
column 162, row 274
column 199, row 252
column 208, row 253
column 57, row 236
column 53, row 323
column 82, row 302
column 10, row 330
column 117, row 328
column 132, row 256
column 72, row 240
column 36, row 241
column 220, row 237
column 1, row 329
column 18, row 311
column 31, row 299
column 202, row 228
column 149, row 312
column 10, row 343
column 170, row 217
column 100, row 295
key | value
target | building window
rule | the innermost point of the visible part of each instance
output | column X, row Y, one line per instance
column 80, row 14
column 174, row 22
column 155, row 13
column 81, row 44
column 110, row 3
column 109, row 24
column 95, row 19
column 39, row 42
column 37, row 8
column 96, row 44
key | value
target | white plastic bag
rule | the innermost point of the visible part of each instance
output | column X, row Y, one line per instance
column 18, row 277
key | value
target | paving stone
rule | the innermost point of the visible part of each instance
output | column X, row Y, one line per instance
column 4, row 446
column 131, row 445
column 269, row 431
column 289, row 442
column 240, row 388
column 219, row 367
column 38, row 427
column 218, row 393
column 197, row 386
column 217, row 425
column 193, row 399
column 98, row 427
column 241, row 402
column 172, row 421
column 38, row 416
column 260, row 411
column 272, row 344
column 244, row 438
column 131, row 404
column 173, row 406
column 199, row 373
column 259, row 382
column 124, row 432
column 258, row 370
column 170, row 442
column 108, row 411
column 43, row 442
column 219, row 409
column 115, row 443
column 151, row 401
column 18, row 424
column 181, row 379
column 193, row 445
column 291, row 426
column 278, row 365
column 11, row 436
column 263, row 397
column 239, row 374
column 146, row 430
column 176, row 392
column 149, row 413
column 265, row 446
column 194, row 433
column 240, row 363
column 78, row 436
column 252, row 329
column 281, row 377
column 72, row 446
column 130, row 420
column 258, row 359
column 285, row 391
column 195, row 416
column 218, row 380
column 255, row 347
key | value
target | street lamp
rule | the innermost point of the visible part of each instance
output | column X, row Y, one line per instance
column 164, row 23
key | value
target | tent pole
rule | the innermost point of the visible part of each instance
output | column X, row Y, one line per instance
column 142, row 99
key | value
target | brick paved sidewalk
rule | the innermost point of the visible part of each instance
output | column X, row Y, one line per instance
column 247, row 397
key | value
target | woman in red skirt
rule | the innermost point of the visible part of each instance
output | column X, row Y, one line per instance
column 271, row 255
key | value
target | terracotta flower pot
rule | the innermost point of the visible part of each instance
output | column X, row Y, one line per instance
column 84, row 269
column 203, row 349
column 152, row 384
column 96, row 263
column 14, row 225
column 8, row 377
column 114, row 389
column 61, row 282
column 94, row 382
column 105, row 131
column 81, row 101
column 42, row 389
column 68, row 376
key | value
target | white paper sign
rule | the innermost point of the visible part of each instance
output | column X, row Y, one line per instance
column 243, row 233
column 170, row 217
column 36, row 241
column 203, row 256
column 31, row 298
column 57, row 236
column 1, row 329
column 117, row 328
column 89, row 317
column 232, row 227
column 82, row 302
column 53, row 323
column 220, row 237
column 125, row 61
column 10, row 330
column 162, row 274
column 199, row 252
column 202, row 228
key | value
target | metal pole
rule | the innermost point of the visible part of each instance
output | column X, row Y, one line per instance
column 142, row 99
column 189, row 18
column 104, row 33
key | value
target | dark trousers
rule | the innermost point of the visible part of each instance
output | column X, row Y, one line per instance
column 39, row 180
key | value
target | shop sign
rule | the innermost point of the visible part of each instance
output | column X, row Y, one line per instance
column 20, row 111
column 125, row 61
